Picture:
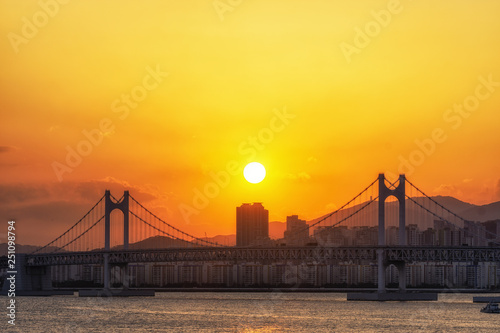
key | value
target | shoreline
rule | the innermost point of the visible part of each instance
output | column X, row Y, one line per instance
column 305, row 290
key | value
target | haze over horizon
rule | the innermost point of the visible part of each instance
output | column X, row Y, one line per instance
column 170, row 100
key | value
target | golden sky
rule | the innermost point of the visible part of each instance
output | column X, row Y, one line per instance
column 325, row 94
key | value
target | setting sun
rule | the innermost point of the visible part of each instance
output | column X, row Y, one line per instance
column 254, row 172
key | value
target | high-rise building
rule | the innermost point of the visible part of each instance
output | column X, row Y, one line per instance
column 492, row 230
column 297, row 231
column 413, row 235
column 252, row 224
column 392, row 235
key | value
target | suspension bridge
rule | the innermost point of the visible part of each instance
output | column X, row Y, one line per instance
column 117, row 232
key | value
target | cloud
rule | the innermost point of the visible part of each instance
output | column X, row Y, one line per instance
column 80, row 192
column 301, row 176
column 330, row 207
column 467, row 180
column 53, row 128
column 448, row 190
column 45, row 210
column 7, row 149
column 86, row 192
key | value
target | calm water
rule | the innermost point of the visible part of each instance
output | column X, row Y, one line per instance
column 247, row 312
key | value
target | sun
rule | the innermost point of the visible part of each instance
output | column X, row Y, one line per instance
column 254, row 172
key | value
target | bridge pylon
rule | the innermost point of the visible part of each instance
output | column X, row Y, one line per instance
column 109, row 206
column 399, row 193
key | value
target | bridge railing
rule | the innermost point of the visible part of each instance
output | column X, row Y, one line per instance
column 274, row 254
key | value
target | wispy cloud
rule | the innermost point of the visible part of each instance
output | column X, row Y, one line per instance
column 303, row 176
column 7, row 149
column 59, row 205
column 448, row 190
column 19, row 194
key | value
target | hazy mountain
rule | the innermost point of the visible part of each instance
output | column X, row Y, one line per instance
column 415, row 214
column 228, row 240
column 23, row 248
column 163, row 242
column 482, row 213
column 276, row 229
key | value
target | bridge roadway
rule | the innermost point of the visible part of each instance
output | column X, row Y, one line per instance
column 273, row 254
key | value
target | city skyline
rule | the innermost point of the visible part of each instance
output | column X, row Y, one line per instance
column 473, row 213
column 252, row 220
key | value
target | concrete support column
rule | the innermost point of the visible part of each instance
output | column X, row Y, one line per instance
column 381, row 209
column 402, row 277
column 124, row 276
column 106, row 271
column 381, row 271
column 402, row 209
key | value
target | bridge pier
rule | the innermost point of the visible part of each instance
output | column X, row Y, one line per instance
column 29, row 281
column 402, row 276
column 124, row 276
column 381, row 271
column 107, row 291
column 106, row 271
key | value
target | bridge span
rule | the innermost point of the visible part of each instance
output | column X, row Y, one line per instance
column 272, row 254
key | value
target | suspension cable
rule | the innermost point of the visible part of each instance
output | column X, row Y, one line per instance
column 445, row 220
column 171, row 226
column 70, row 242
column 446, row 209
column 164, row 232
column 352, row 214
column 437, row 203
column 74, row 225
column 309, row 227
column 341, row 208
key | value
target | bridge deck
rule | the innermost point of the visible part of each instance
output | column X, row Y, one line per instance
column 275, row 254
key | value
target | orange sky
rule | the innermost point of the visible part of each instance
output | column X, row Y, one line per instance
column 325, row 94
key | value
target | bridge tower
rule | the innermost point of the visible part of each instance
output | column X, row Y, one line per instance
column 383, row 194
column 110, row 206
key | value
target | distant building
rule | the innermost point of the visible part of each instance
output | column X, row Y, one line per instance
column 413, row 235
column 492, row 230
column 392, row 235
column 429, row 237
column 297, row 231
column 474, row 234
column 252, row 224
column 447, row 234
column 365, row 236
column 334, row 236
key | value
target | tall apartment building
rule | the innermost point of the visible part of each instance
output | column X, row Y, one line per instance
column 252, row 224
column 297, row 231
